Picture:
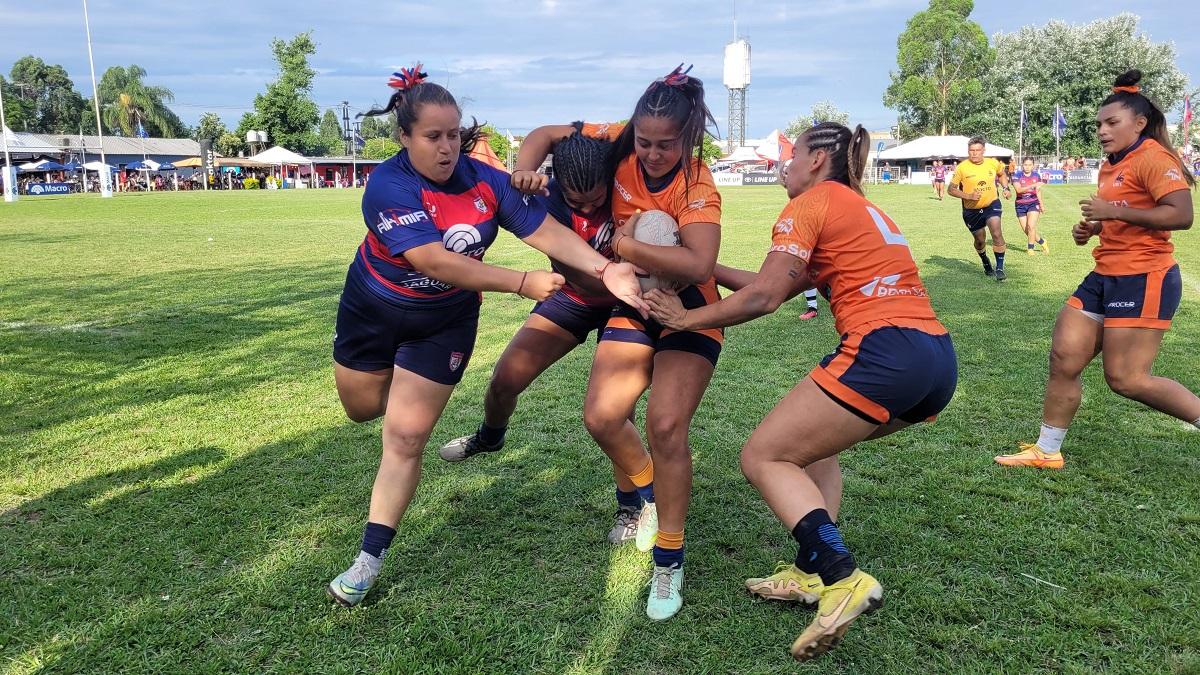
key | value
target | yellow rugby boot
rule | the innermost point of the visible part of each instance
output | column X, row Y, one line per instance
column 788, row 583
column 841, row 603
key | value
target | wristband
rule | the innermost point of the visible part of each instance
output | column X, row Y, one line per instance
column 522, row 285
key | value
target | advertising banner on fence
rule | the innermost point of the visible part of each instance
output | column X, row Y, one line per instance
column 208, row 159
column 48, row 189
column 8, row 182
column 727, row 178
column 762, row 178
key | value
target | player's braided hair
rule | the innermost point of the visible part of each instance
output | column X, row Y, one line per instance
column 678, row 97
column 847, row 151
column 412, row 92
column 1127, row 92
column 581, row 162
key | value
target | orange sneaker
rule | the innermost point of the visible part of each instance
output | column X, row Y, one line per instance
column 1032, row 455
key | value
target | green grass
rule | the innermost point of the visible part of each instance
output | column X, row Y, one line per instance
column 178, row 481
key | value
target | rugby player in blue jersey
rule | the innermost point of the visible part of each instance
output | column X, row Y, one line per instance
column 409, row 311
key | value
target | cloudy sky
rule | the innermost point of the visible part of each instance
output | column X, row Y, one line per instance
column 522, row 64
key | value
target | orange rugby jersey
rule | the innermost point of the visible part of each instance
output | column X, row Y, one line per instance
column 1139, row 180
column 694, row 202
column 857, row 258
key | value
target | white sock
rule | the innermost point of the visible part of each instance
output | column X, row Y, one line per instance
column 1051, row 438
column 811, row 296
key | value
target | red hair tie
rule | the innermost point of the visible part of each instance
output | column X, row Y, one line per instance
column 677, row 77
column 1131, row 89
column 407, row 78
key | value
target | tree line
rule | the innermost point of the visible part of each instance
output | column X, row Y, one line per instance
column 951, row 79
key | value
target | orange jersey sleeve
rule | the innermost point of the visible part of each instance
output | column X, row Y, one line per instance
column 698, row 202
column 1160, row 174
column 606, row 130
column 799, row 225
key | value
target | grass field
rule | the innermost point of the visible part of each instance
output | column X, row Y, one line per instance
column 178, row 481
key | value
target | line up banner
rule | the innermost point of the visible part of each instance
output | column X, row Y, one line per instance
column 729, row 178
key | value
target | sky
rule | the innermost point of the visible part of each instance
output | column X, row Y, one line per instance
column 523, row 64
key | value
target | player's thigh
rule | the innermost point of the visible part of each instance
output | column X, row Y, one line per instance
column 804, row 427
column 536, row 346
column 1129, row 353
column 620, row 374
column 414, row 405
column 363, row 393
column 994, row 227
column 1076, row 340
column 1033, row 217
column 678, row 384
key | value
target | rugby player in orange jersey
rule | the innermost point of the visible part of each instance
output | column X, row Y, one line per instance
column 1124, row 307
column 655, row 168
column 895, row 367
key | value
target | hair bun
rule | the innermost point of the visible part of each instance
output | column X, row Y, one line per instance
column 1129, row 78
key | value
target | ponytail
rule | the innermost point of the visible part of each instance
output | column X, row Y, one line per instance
column 1128, row 93
column 412, row 92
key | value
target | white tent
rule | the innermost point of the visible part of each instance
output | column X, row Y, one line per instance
column 775, row 147
column 279, row 156
column 939, row 147
column 743, row 154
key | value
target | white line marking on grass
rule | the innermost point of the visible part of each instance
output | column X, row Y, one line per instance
column 1190, row 281
column 1043, row 581
column 80, row 327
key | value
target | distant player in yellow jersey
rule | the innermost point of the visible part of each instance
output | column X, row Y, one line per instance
column 974, row 182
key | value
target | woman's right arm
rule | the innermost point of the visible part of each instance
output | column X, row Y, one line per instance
column 534, row 150
column 434, row 261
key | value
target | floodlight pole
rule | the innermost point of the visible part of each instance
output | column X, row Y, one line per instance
column 10, row 189
column 104, row 173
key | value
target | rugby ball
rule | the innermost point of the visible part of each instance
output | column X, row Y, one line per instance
column 660, row 229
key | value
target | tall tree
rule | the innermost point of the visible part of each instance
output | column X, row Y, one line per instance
column 42, row 97
column 378, row 127
column 822, row 111
column 210, row 126
column 126, row 101
column 498, row 141
column 332, row 142
column 380, row 148
column 941, row 55
column 1072, row 66
column 286, row 110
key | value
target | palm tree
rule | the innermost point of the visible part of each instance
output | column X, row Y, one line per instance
column 126, row 100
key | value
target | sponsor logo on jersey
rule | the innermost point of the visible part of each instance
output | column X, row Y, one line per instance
column 1173, row 174
column 1126, row 304
column 479, row 205
column 793, row 249
column 1119, row 180
column 882, row 287
column 698, row 204
column 459, row 238
column 785, row 226
column 389, row 219
column 622, row 190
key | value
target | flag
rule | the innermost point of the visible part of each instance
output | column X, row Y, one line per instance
column 1187, row 114
column 512, row 142
column 359, row 141
column 141, row 130
column 1060, row 122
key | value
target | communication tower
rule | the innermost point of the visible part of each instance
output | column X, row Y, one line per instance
column 737, row 80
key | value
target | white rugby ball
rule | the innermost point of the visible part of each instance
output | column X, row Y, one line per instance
column 660, row 229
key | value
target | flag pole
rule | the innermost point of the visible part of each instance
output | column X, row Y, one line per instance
column 10, row 189
column 104, row 173
column 1057, row 132
column 1021, row 134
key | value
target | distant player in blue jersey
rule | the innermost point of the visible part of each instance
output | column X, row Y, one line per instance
column 409, row 311
column 1028, row 184
column 578, row 197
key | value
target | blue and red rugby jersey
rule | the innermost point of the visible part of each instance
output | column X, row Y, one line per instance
column 596, row 229
column 403, row 209
column 1025, row 180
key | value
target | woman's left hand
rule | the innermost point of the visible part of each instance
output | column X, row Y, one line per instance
column 666, row 308
column 1097, row 209
column 621, row 280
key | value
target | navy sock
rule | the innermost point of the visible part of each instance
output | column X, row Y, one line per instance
column 629, row 500
column 1031, row 246
column 987, row 263
column 665, row 557
column 491, row 435
column 822, row 550
column 999, row 261
column 376, row 539
column 646, row 492
column 1041, row 240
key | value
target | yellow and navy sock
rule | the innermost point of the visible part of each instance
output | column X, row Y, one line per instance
column 822, row 550
column 631, row 500
column 490, row 436
column 376, row 539
column 668, row 549
column 644, row 480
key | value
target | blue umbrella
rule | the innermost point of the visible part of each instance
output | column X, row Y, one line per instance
column 138, row 166
column 167, row 166
column 71, row 166
column 49, row 166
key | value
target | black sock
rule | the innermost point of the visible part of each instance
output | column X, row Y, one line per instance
column 490, row 435
column 629, row 500
column 376, row 539
column 987, row 263
column 999, row 261
column 822, row 550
